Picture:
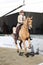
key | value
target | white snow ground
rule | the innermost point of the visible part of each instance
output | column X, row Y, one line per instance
column 37, row 43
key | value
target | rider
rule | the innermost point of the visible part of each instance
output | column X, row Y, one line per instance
column 21, row 18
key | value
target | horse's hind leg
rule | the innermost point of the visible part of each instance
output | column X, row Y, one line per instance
column 16, row 45
column 20, row 44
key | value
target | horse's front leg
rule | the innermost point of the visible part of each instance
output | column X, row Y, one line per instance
column 25, row 48
column 29, row 46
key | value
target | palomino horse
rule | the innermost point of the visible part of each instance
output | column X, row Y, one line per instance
column 24, row 33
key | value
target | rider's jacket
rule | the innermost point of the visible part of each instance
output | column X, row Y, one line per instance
column 20, row 19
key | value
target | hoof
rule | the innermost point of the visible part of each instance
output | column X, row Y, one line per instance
column 17, row 51
column 37, row 53
column 32, row 54
column 20, row 54
column 27, row 54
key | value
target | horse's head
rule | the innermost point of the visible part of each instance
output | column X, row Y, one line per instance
column 29, row 22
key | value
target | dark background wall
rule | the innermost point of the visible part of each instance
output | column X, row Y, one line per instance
column 11, row 21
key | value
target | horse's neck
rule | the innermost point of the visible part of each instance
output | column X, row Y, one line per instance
column 25, row 26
